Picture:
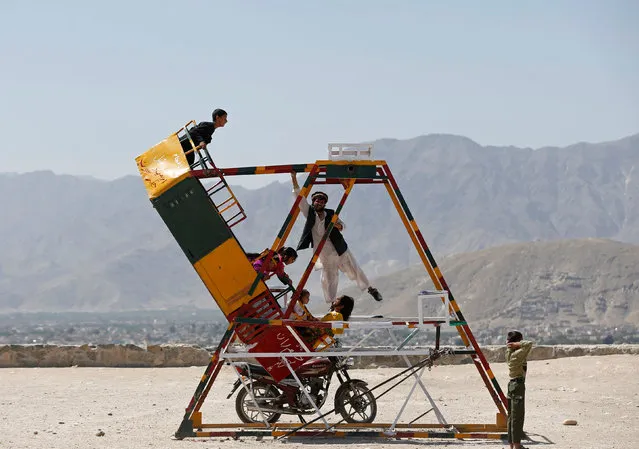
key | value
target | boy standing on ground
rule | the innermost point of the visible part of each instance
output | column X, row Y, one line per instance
column 517, row 350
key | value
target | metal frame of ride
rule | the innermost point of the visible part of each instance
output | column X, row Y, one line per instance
column 348, row 164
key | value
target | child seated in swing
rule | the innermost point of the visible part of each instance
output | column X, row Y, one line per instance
column 341, row 310
column 300, row 312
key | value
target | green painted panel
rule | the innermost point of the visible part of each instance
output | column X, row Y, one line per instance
column 351, row 171
column 192, row 218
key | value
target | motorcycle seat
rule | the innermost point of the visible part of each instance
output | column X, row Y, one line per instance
column 258, row 369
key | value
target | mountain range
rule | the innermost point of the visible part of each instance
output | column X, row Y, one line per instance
column 567, row 283
column 80, row 244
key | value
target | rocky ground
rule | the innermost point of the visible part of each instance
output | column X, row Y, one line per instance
column 142, row 407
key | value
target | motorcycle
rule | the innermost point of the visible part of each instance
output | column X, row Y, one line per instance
column 263, row 399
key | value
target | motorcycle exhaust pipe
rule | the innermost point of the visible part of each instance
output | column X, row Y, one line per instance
column 236, row 385
column 287, row 411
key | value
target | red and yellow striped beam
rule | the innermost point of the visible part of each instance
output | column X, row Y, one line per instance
column 202, row 390
column 278, row 169
column 381, row 426
column 257, row 170
column 352, row 434
column 440, row 283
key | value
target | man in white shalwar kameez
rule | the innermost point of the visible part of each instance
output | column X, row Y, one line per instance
column 335, row 255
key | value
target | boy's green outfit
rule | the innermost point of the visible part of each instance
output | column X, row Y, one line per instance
column 516, row 360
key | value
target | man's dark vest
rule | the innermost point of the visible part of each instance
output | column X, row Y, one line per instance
column 335, row 237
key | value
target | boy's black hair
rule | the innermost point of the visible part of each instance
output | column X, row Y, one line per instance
column 218, row 113
column 287, row 251
column 347, row 304
column 514, row 337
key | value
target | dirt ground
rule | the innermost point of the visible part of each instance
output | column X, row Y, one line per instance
column 140, row 408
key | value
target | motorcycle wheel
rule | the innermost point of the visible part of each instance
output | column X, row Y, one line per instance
column 243, row 401
column 356, row 403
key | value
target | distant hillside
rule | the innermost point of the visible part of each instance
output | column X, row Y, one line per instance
column 565, row 283
column 80, row 244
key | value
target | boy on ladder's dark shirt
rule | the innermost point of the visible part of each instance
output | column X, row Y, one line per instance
column 202, row 133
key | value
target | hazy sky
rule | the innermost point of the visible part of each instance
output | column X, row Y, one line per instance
column 87, row 86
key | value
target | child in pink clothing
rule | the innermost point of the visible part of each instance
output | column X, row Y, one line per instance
column 285, row 256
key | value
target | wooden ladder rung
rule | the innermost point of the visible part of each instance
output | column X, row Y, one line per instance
column 214, row 186
column 225, row 201
column 228, row 207
column 243, row 217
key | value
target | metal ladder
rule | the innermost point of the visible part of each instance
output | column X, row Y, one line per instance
column 229, row 208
